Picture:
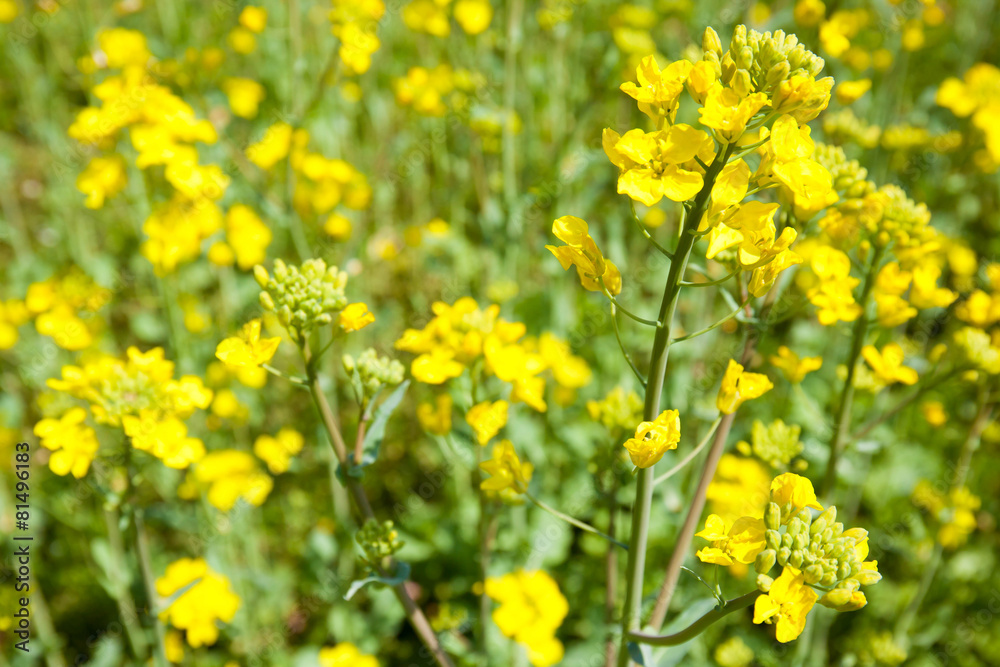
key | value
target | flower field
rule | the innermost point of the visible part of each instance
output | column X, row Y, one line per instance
column 468, row 333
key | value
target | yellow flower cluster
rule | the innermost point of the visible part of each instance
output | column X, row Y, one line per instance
column 163, row 129
column 62, row 307
column 977, row 95
column 355, row 23
column 432, row 16
column 460, row 335
column 955, row 510
column 345, row 654
column 277, row 450
column 618, row 411
column 205, row 598
column 596, row 273
column 229, row 475
column 531, row 610
column 431, row 92
column 72, row 442
column 793, row 366
column 812, row 552
column 509, row 476
column 140, row 395
column 247, row 239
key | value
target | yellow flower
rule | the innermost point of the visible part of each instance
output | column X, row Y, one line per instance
column 436, row 366
column 925, row 292
column 232, row 475
column 833, row 296
column 809, row 13
column 207, row 599
column 173, row 646
column 581, row 251
column 473, row 15
column 244, row 95
column 73, row 443
column 786, row 605
column 849, row 92
column 738, row 386
column 8, row 10
column 934, row 413
column 104, row 177
column 506, row 470
column 794, row 367
column 248, row 348
column 486, row 419
column 345, row 654
column 123, row 48
column 13, row 314
column 165, row 438
column 531, row 610
column 728, row 113
column 658, row 91
column 740, row 544
column 788, row 160
column 277, row 451
column 253, row 19
column 653, row 439
column 242, row 40
column 654, row 165
column 795, row 489
column 436, row 417
column 273, row 147
column 247, row 235
column 893, row 310
column 888, row 365
column 354, row 317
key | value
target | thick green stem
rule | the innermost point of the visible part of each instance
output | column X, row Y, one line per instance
column 698, row 626
column 641, row 507
column 842, row 426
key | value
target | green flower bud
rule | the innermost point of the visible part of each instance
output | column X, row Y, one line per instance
column 836, row 598
column 741, row 83
column 818, row 526
column 784, row 553
column 765, row 561
column 777, row 74
column 764, row 583
column 843, row 571
column 772, row 516
column 829, row 579
column 772, row 538
column 786, row 540
column 829, row 515
column 710, row 42
column 868, row 577
column 260, row 275
column 813, row 574
column 266, row 302
column 795, row 560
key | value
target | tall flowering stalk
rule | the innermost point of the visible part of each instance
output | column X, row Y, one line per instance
column 754, row 98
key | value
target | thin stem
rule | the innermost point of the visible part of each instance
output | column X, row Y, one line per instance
column 641, row 508
column 709, row 283
column 645, row 232
column 698, row 626
column 896, row 409
column 621, row 345
column 145, row 564
column 691, row 456
column 714, row 326
column 575, row 522
column 123, row 596
column 615, row 304
column 611, row 574
column 416, row 617
column 291, row 378
column 842, row 424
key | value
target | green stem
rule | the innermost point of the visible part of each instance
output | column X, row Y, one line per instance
column 709, row 283
column 842, row 424
column 645, row 232
column 575, row 522
column 145, row 564
column 123, row 597
column 698, row 626
column 621, row 345
column 635, row 568
column 714, row 326
column 690, row 457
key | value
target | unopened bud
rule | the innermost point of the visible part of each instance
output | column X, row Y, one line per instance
column 710, row 42
column 772, row 516
column 765, row 561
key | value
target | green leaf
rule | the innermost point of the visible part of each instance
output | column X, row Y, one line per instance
column 402, row 574
column 376, row 432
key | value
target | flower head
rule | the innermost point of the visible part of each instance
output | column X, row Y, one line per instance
column 738, row 386
column 581, row 251
column 506, row 470
column 653, row 439
column 247, row 348
column 786, row 605
column 207, row 599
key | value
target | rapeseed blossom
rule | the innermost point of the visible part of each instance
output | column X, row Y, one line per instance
column 206, row 600
column 531, row 610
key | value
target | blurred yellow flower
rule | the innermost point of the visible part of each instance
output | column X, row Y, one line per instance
column 486, row 419
column 232, row 475
column 354, row 316
column 436, row 417
column 277, row 451
column 103, row 178
column 888, row 364
column 345, row 654
column 207, row 599
column 506, row 470
column 244, row 95
column 531, row 610
column 73, row 443
column 794, row 367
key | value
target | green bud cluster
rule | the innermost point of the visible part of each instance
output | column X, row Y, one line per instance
column 374, row 371
column 378, row 541
column 902, row 220
column 845, row 127
column 302, row 297
column 777, row 443
column 759, row 62
column 820, row 548
column 850, row 179
column 619, row 410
